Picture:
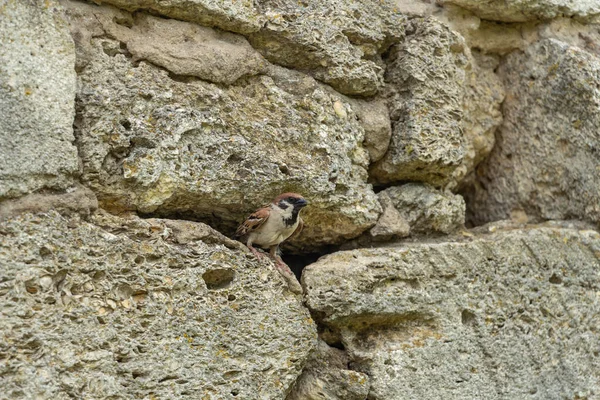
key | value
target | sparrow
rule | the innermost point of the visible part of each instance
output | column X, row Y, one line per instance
column 272, row 224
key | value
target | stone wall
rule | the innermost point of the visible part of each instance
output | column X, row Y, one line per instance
column 449, row 151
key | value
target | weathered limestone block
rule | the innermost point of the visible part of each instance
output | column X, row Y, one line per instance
column 413, row 209
column 182, row 48
column 168, row 145
column 391, row 223
column 375, row 119
column 236, row 16
column 426, row 209
column 327, row 377
column 529, row 10
column 188, row 49
column 126, row 311
column 546, row 162
column 425, row 81
column 482, row 101
column 337, row 42
column 77, row 199
column 330, row 40
column 37, row 95
column 508, row 315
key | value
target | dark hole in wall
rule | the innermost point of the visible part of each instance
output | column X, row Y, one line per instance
column 378, row 187
column 297, row 262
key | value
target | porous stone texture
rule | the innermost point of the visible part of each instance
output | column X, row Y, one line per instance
column 335, row 41
column 375, row 119
column 37, row 95
column 391, row 224
column 123, row 311
column 327, row 377
column 193, row 50
column 204, row 110
column 156, row 143
column 529, row 10
column 426, row 209
column 483, row 96
column 546, row 162
column 511, row 314
column 77, row 199
column 235, row 16
column 425, row 81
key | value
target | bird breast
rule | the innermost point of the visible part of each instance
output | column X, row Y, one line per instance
column 274, row 231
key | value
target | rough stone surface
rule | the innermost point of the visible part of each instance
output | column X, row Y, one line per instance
column 188, row 49
column 513, row 314
column 546, row 162
column 124, row 311
column 391, row 224
column 426, row 209
column 327, row 377
column 236, row 16
column 155, row 143
column 335, row 41
column 77, row 199
column 182, row 48
column 331, row 40
column 482, row 100
column 37, row 94
column 375, row 119
column 425, row 78
column 529, row 10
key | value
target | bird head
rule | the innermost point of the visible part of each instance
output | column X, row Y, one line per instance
column 286, row 200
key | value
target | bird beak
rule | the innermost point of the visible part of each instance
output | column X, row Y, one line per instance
column 301, row 203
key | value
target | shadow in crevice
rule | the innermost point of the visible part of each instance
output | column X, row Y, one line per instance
column 297, row 262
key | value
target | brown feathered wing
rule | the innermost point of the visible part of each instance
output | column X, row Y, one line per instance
column 253, row 222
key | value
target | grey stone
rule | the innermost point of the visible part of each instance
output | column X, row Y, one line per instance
column 189, row 49
column 234, row 16
column 183, row 48
column 502, row 315
column 546, row 161
column 484, row 93
column 37, row 95
column 334, row 41
column 155, row 143
column 125, row 311
column 391, row 223
column 426, row 209
column 529, row 10
column 327, row 377
column 77, row 199
column 425, row 81
column 375, row 119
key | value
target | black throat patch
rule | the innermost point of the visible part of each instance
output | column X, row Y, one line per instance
column 292, row 219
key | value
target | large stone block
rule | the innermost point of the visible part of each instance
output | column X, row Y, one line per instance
column 337, row 42
column 425, row 82
column 529, row 10
column 546, row 162
column 37, row 99
column 427, row 210
column 482, row 115
column 170, row 145
column 512, row 314
column 131, row 308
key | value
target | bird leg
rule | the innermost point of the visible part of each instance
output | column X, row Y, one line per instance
column 281, row 266
column 285, row 271
column 257, row 253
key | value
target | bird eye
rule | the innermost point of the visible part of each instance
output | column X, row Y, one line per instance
column 291, row 199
